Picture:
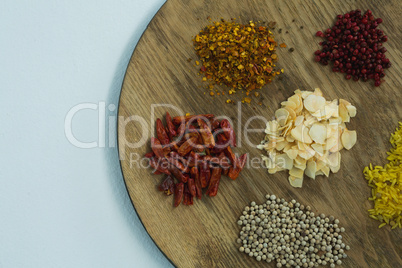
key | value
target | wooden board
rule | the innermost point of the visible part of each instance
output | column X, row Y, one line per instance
column 204, row 235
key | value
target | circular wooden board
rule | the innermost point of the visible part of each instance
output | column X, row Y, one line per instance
column 204, row 235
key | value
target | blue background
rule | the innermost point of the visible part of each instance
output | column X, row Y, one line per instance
column 63, row 206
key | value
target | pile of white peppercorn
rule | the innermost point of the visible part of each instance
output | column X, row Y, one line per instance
column 290, row 234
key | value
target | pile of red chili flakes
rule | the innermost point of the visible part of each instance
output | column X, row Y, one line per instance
column 194, row 151
column 236, row 55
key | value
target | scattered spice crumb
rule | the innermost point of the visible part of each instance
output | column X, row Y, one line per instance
column 301, row 27
column 291, row 49
column 287, row 31
column 247, row 100
column 293, row 20
column 189, row 59
column 280, row 31
column 282, row 45
column 272, row 24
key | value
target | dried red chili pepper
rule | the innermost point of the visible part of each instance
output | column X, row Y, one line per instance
column 156, row 147
column 205, row 174
column 228, row 132
column 178, row 193
column 187, row 197
column 177, row 173
column 159, row 165
column 224, row 161
column 191, row 186
column 167, row 185
column 170, row 137
column 192, row 129
column 181, row 130
column 221, row 143
column 237, row 167
column 190, row 200
column 161, row 132
column 211, row 159
column 180, row 119
column 174, row 146
column 156, row 172
column 170, row 127
column 190, row 135
column 195, row 175
column 180, row 158
column 242, row 160
column 166, row 149
column 206, row 134
column 190, row 124
column 229, row 153
column 193, row 159
column 187, row 146
column 220, row 160
column 149, row 155
column 208, row 176
column 221, row 138
column 199, row 146
column 213, row 190
column 174, row 161
column 214, row 123
column 214, row 182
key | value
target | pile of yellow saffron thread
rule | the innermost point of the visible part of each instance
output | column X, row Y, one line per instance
column 386, row 184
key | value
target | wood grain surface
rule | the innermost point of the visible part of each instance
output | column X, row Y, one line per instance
column 204, row 235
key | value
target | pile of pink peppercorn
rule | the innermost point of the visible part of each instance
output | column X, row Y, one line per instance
column 355, row 46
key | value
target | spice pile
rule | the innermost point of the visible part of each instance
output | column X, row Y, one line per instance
column 307, row 136
column 355, row 46
column 386, row 184
column 290, row 235
column 195, row 150
column 236, row 55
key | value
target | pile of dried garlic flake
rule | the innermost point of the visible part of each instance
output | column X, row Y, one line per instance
column 307, row 136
